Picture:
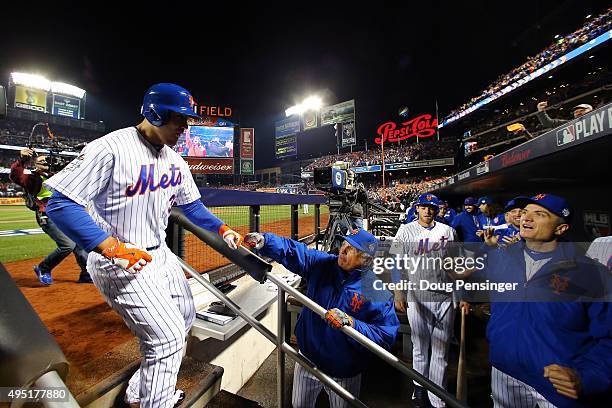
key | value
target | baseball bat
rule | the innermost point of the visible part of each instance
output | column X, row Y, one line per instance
column 461, row 378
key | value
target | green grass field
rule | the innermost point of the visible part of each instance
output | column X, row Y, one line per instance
column 35, row 246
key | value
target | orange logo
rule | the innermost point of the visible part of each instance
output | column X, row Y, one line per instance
column 539, row 196
column 357, row 302
column 559, row 284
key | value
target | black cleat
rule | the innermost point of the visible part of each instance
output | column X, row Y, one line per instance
column 420, row 398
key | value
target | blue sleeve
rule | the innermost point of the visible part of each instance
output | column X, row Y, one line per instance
column 456, row 224
column 294, row 255
column 382, row 330
column 201, row 216
column 594, row 366
column 74, row 221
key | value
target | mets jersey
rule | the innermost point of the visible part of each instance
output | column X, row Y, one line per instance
column 129, row 185
column 429, row 247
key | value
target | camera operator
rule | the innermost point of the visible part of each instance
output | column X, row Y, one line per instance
column 37, row 197
column 549, row 122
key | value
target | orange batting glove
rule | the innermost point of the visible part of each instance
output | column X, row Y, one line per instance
column 336, row 318
column 231, row 237
column 127, row 256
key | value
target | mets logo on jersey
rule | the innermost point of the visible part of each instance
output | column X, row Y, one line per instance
column 146, row 180
column 559, row 283
column 357, row 301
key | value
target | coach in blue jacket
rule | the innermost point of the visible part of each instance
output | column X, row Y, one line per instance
column 466, row 223
column 551, row 338
column 334, row 282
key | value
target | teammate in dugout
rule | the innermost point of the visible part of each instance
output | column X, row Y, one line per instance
column 334, row 281
column 430, row 313
column 131, row 178
column 551, row 339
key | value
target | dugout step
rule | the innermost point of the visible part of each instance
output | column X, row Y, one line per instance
column 226, row 399
column 199, row 380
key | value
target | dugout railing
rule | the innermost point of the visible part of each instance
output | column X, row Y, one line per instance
column 299, row 217
column 261, row 271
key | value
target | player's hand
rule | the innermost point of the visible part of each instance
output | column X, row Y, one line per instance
column 26, row 153
column 542, row 106
column 480, row 233
column 336, row 318
column 400, row 305
column 564, row 379
column 231, row 237
column 506, row 241
column 489, row 237
column 254, row 240
column 465, row 307
column 127, row 256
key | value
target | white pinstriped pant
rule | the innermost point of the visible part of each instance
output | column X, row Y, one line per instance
column 157, row 306
column 508, row 392
column 431, row 324
column 306, row 389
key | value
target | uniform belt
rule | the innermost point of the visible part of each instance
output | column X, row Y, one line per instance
column 152, row 248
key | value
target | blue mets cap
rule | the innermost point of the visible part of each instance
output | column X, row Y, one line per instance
column 512, row 204
column 363, row 241
column 428, row 199
column 555, row 204
column 485, row 200
column 470, row 201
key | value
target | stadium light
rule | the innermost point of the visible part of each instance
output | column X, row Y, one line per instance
column 310, row 103
column 31, row 80
column 589, row 16
column 67, row 89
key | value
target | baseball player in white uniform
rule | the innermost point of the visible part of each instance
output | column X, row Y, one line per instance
column 430, row 310
column 130, row 179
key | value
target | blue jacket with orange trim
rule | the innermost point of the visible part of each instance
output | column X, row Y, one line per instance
column 562, row 315
column 329, row 349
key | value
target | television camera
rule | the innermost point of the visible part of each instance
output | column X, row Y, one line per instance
column 347, row 200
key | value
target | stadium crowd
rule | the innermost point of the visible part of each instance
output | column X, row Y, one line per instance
column 394, row 153
column 16, row 132
column 562, row 45
column 556, row 96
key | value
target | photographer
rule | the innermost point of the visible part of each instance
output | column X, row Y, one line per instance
column 37, row 198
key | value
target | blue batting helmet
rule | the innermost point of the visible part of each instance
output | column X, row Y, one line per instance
column 161, row 99
column 428, row 199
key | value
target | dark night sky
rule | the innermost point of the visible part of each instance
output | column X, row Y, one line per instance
column 260, row 60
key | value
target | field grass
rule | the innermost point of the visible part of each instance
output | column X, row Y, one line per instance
column 35, row 246
column 16, row 217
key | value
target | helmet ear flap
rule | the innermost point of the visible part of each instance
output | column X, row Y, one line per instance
column 157, row 117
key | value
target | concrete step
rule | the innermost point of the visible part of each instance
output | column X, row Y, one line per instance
column 226, row 399
column 200, row 381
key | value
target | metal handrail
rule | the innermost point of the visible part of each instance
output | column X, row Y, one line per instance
column 282, row 347
column 286, row 348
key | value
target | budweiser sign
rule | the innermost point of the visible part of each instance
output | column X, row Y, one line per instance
column 511, row 158
column 422, row 126
column 211, row 166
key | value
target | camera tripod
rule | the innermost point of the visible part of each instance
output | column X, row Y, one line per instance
column 339, row 224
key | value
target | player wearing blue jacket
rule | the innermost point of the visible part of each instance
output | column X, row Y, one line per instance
column 334, row 282
column 466, row 223
column 445, row 215
column 486, row 217
column 508, row 224
column 551, row 338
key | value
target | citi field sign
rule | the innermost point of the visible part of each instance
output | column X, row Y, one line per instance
column 421, row 127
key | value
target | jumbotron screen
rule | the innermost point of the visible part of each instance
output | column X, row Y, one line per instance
column 206, row 141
